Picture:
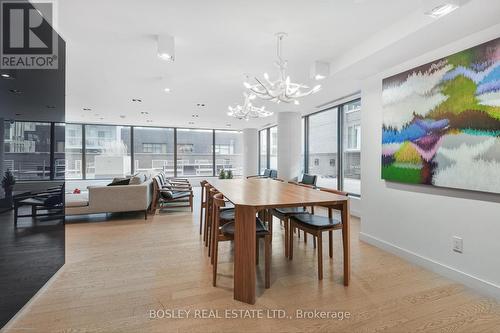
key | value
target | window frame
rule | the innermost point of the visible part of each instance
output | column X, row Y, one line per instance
column 341, row 112
column 53, row 147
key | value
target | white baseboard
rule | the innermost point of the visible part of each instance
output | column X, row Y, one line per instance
column 31, row 301
column 483, row 287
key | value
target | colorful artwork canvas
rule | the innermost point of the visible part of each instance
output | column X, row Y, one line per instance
column 441, row 122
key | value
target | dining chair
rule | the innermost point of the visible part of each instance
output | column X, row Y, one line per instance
column 266, row 174
column 316, row 225
column 203, row 205
column 226, row 215
column 226, row 233
column 273, row 174
column 309, row 180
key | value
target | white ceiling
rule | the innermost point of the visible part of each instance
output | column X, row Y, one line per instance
column 111, row 53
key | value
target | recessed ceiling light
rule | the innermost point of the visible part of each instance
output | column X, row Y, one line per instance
column 6, row 76
column 149, row 121
column 167, row 90
column 195, row 115
column 122, row 116
column 442, row 9
column 191, row 123
column 86, row 109
column 200, row 105
column 166, row 47
column 144, row 112
column 138, row 100
column 228, row 125
column 15, row 91
column 101, row 118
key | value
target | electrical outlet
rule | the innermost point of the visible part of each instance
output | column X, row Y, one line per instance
column 458, row 244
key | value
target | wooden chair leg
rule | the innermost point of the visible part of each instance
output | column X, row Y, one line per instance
column 201, row 214
column 291, row 227
column 312, row 210
column 305, row 237
column 287, row 237
column 267, row 261
column 145, row 214
column 270, row 223
column 314, row 241
column 330, row 243
column 320, row 256
column 16, row 212
column 257, row 251
column 191, row 202
column 214, row 258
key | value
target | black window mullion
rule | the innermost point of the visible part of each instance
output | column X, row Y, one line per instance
column 306, row 144
column 340, row 147
column 52, row 151
column 175, row 152
column 268, row 148
column 132, row 152
column 213, row 153
column 84, row 153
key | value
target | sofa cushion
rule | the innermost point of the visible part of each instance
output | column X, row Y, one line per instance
column 137, row 179
column 125, row 181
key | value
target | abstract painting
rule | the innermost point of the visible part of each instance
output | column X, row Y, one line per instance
column 441, row 122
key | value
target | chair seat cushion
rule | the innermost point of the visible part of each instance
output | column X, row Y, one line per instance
column 285, row 211
column 173, row 195
column 226, row 214
column 260, row 228
column 316, row 221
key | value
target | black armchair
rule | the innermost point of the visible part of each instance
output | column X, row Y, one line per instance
column 50, row 201
column 309, row 180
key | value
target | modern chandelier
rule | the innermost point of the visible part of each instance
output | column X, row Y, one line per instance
column 281, row 90
column 248, row 110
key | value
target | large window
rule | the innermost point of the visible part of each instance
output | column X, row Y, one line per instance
column 352, row 147
column 228, row 152
column 107, row 151
column 194, row 152
column 334, row 170
column 263, row 150
column 322, row 159
column 154, row 150
column 27, row 150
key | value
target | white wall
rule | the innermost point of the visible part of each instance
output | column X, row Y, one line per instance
column 418, row 222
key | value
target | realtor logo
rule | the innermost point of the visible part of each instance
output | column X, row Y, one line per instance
column 28, row 40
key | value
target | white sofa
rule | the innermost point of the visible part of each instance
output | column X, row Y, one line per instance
column 111, row 199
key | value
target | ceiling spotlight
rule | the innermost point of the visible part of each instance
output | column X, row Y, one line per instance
column 166, row 47
column 15, row 91
column 195, row 115
column 122, row 116
column 228, row 125
column 191, row 123
column 200, row 105
column 144, row 112
column 138, row 100
column 167, row 90
column 149, row 121
column 320, row 70
column 296, row 102
column 6, row 76
column 86, row 109
column 439, row 8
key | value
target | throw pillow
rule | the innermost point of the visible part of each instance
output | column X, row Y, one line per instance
column 120, row 182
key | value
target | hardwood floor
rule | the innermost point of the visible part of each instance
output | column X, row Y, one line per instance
column 118, row 270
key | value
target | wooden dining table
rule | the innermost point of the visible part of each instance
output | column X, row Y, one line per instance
column 250, row 196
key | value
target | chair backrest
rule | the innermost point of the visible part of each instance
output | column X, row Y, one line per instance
column 273, row 174
column 219, row 200
column 267, row 173
column 309, row 179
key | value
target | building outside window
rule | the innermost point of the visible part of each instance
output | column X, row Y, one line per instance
column 27, row 150
column 194, row 152
column 229, row 152
column 352, row 147
column 73, row 151
column 273, row 144
column 107, row 151
column 323, row 147
column 262, row 151
column 154, row 149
